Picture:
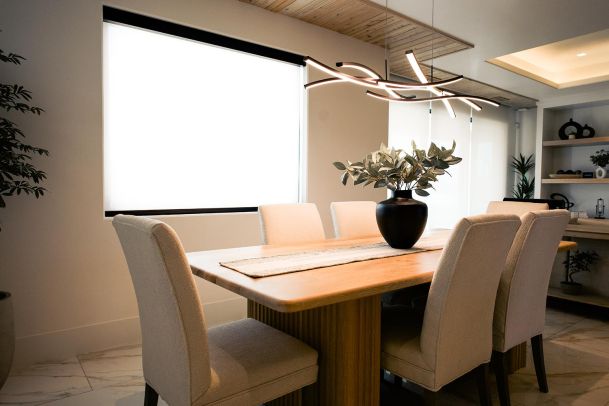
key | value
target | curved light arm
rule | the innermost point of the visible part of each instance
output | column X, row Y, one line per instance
column 426, row 99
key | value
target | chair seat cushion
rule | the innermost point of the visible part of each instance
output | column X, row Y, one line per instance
column 400, row 346
column 253, row 363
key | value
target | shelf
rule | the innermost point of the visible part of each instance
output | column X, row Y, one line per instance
column 587, row 298
column 582, row 181
column 582, row 142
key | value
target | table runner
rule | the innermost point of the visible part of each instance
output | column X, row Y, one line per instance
column 321, row 258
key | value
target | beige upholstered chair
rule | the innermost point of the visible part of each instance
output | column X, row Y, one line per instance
column 454, row 336
column 354, row 219
column 520, row 309
column 240, row 363
column 290, row 223
column 517, row 208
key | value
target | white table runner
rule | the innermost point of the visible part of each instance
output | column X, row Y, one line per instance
column 302, row 261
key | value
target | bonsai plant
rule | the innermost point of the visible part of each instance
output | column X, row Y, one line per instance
column 600, row 159
column 17, row 176
column 575, row 263
column 525, row 188
column 401, row 219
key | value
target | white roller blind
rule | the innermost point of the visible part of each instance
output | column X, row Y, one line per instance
column 482, row 175
column 191, row 125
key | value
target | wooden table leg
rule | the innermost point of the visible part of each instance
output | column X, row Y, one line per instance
column 348, row 338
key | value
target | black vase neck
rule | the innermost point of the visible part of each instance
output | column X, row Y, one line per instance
column 404, row 194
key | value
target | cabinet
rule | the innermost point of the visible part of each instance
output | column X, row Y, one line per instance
column 553, row 154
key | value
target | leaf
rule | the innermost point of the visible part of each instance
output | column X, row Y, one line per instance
column 344, row 177
column 339, row 165
column 421, row 192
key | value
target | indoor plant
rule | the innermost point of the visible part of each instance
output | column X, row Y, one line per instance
column 600, row 159
column 575, row 263
column 17, row 176
column 525, row 188
column 401, row 219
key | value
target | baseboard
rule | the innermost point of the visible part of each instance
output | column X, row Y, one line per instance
column 63, row 344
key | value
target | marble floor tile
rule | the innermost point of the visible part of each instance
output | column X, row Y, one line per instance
column 112, row 395
column 44, row 382
column 585, row 335
column 557, row 321
column 122, row 366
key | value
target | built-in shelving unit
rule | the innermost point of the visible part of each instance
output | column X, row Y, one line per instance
column 581, row 142
column 587, row 298
column 554, row 154
column 581, row 181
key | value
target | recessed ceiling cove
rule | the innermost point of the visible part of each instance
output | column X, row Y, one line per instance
column 572, row 62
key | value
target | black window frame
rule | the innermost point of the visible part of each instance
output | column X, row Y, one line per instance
column 118, row 16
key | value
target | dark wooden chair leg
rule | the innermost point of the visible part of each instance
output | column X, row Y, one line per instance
column 430, row 397
column 482, row 379
column 540, row 367
column 151, row 398
column 397, row 380
column 500, row 366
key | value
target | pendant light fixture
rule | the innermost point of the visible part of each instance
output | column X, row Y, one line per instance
column 393, row 90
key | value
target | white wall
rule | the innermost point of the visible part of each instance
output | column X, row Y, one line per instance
column 60, row 258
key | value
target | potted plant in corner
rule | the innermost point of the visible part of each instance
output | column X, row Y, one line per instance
column 401, row 219
column 525, row 188
column 574, row 264
column 600, row 159
column 17, row 176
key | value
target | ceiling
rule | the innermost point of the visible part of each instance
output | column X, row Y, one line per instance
column 502, row 27
column 370, row 22
column 568, row 63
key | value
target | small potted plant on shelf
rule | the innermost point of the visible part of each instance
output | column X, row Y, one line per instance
column 401, row 219
column 17, row 176
column 575, row 263
column 600, row 159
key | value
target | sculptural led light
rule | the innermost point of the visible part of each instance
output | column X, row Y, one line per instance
column 372, row 79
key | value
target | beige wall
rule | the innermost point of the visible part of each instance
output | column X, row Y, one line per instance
column 59, row 256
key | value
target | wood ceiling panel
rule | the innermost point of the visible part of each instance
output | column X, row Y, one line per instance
column 372, row 23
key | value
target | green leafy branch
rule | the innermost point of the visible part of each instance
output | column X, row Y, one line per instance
column 399, row 170
column 17, row 174
column 525, row 188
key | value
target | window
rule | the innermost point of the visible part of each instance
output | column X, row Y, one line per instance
column 483, row 143
column 197, row 122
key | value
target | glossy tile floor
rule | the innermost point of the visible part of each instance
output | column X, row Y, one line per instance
column 576, row 350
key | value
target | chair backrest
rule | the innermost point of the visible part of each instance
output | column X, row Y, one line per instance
column 174, row 336
column 457, row 327
column 521, row 298
column 517, row 208
column 290, row 223
column 354, row 219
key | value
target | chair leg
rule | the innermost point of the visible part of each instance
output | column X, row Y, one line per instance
column 397, row 380
column 482, row 379
column 540, row 368
column 430, row 397
column 500, row 366
column 151, row 398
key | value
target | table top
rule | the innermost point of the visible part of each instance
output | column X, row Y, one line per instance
column 313, row 288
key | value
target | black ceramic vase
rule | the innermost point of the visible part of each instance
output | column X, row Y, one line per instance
column 401, row 219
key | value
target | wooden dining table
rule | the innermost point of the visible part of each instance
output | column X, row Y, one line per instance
column 335, row 309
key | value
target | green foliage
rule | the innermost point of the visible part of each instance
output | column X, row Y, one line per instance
column 600, row 158
column 579, row 262
column 17, row 174
column 399, row 170
column 525, row 188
